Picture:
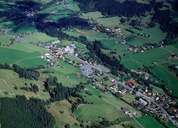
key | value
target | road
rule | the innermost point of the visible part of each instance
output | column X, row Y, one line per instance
column 151, row 100
column 138, row 93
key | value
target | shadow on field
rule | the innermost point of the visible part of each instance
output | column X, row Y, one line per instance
column 28, row 13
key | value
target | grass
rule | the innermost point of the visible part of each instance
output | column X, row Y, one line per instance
column 94, row 112
column 149, row 122
column 102, row 105
column 60, row 11
column 27, row 47
column 129, row 98
column 22, row 58
column 167, row 77
column 156, row 34
column 5, row 39
column 61, row 111
column 106, row 41
column 67, row 74
column 106, row 21
column 159, row 60
column 158, row 55
column 9, row 80
column 93, row 15
column 37, row 37
column 136, row 41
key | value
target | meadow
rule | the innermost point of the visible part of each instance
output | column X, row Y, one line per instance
column 67, row 74
column 101, row 105
column 24, row 59
column 61, row 111
column 158, row 61
column 11, row 85
column 149, row 122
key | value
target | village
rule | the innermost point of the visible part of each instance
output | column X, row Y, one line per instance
column 146, row 100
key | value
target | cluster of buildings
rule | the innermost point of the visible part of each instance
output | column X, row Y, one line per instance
column 114, row 32
column 145, row 47
column 127, row 112
column 55, row 53
column 87, row 70
column 159, row 105
column 145, row 99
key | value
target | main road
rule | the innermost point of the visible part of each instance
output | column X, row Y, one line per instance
column 138, row 93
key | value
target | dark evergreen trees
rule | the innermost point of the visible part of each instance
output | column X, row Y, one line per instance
column 57, row 91
column 26, row 73
column 22, row 113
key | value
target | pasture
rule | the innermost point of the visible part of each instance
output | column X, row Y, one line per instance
column 67, row 74
column 61, row 111
column 11, row 85
column 101, row 105
column 149, row 122
column 22, row 58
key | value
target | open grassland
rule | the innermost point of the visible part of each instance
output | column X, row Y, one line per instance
column 155, row 33
column 101, row 19
column 24, row 59
column 23, row 52
column 61, row 111
column 11, row 85
column 37, row 37
column 5, row 39
column 106, row 41
column 60, row 10
column 168, row 78
column 102, row 105
column 67, row 74
column 27, row 47
column 158, row 60
column 149, row 122
column 157, row 55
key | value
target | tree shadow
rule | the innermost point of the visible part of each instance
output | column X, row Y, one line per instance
column 29, row 13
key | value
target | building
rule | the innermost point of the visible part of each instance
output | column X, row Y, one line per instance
column 86, row 70
column 70, row 49
column 143, row 102
column 131, row 83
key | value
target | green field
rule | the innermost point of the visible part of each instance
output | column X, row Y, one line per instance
column 61, row 111
column 67, row 74
column 102, row 105
column 168, row 78
column 159, row 60
column 24, row 59
column 149, row 122
column 61, row 96
column 9, row 80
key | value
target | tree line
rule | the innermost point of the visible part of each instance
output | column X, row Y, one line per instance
column 26, row 73
column 59, row 92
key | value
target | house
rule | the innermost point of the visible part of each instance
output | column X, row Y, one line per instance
column 143, row 102
column 131, row 83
